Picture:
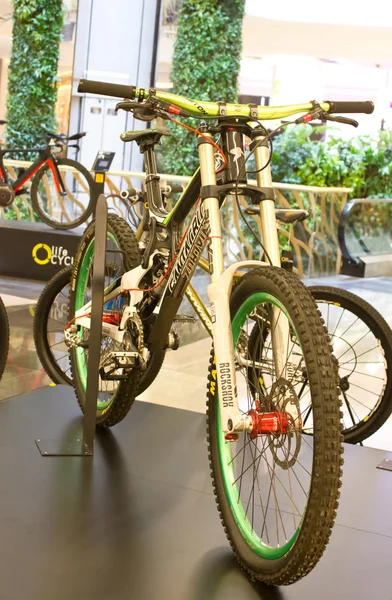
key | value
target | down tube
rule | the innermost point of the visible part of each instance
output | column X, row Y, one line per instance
column 180, row 275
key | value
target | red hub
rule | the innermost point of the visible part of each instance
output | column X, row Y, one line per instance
column 111, row 318
column 269, row 422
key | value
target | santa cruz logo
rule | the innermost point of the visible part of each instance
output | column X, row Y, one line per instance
column 56, row 255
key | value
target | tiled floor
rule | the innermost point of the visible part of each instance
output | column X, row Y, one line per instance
column 182, row 381
column 23, row 371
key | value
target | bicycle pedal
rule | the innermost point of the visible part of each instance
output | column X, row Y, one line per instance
column 184, row 319
column 72, row 340
column 173, row 340
column 115, row 361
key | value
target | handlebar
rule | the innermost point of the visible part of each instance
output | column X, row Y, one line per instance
column 200, row 110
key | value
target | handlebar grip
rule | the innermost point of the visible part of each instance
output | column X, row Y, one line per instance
column 129, row 193
column 366, row 107
column 104, row 88
column 176, row 188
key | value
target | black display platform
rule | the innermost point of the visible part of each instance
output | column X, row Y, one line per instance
column 138, row 521
column 38, row 251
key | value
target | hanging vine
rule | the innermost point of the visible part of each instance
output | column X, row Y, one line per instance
column 32, row 80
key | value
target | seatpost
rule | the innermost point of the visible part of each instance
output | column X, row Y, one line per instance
column 153, row 190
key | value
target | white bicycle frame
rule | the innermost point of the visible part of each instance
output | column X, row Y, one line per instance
column 219, row 289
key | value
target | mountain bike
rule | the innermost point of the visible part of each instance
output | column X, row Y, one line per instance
column 276, row 486
column 60, row 187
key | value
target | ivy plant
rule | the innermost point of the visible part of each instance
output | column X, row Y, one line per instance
column 32, row 80
column 362, row 163
column 206, row 65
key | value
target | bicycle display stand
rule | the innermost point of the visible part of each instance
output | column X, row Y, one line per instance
column 385, row 465
column 84, row 444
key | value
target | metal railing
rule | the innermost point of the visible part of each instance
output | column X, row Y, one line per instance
column 314, row 242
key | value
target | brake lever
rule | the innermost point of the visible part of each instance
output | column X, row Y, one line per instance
column 344, row 120
column 143, row 111
column 125, row 105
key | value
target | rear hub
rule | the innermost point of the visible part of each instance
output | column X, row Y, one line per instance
column 7, row 194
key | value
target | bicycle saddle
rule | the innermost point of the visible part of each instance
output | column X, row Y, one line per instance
column 63, row 137
column 145, row 135
column 284, row 215
column 77, row 136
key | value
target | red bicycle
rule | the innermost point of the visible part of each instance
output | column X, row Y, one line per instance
column 60, row 187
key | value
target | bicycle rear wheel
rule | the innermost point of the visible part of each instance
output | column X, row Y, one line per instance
column 4, row 337
column 277, row 491
column 50, row 319
column 55, row 209
column 362, row 344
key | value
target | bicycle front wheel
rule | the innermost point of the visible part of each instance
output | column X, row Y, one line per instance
column 277, row 491
column 59, row 209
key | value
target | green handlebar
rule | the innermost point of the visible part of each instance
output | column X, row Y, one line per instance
column 211, row 109
column 196, row 108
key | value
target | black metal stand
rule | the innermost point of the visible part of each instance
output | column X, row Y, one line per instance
column 83, row 445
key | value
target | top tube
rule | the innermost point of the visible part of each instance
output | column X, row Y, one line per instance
column 211, row 109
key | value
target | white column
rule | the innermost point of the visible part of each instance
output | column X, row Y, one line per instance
column 114, row 43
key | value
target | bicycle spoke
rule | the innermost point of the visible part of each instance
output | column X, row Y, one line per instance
column 362, row 374
column 358, row 355
column 352, row 345
column 364, row 389
column 337, row 324
column 350, row 412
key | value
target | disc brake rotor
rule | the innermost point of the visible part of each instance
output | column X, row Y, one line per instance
column 286, row 446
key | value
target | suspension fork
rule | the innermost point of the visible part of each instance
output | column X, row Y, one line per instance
column 219, row 294
column 280, row 325
column 197, row 303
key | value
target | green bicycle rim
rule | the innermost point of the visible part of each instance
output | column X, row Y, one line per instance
column 224, row 448
column 80, row 290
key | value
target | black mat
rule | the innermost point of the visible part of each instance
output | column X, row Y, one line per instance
column 139, row 520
